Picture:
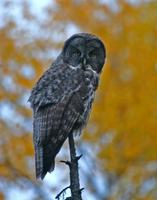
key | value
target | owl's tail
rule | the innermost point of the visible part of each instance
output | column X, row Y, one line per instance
column 44, row 161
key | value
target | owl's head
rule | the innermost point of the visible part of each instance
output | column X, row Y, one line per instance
column 84, row 50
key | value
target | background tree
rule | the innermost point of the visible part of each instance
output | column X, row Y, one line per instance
column 120, row 141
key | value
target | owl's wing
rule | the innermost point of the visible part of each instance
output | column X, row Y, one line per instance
column 56, row 82
column 57, row 106
column 52, row 125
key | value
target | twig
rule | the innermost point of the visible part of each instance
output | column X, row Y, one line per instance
column 66, row 162
column 74, row 174
column 58, row 195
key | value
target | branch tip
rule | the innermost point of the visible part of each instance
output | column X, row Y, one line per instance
column 66, row 162
column 63, row 191
column 78, row 157
column 81, row 190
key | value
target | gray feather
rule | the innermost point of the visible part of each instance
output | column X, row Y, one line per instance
column 62, row 98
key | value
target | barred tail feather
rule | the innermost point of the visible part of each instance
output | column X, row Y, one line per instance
column 38, row 161
column 48, row 160
column 43, row 162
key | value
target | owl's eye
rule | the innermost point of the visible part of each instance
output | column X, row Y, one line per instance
column 93, row 53
column 76, row 53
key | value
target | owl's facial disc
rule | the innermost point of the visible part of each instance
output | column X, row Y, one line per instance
column 95, row 54
column 73, row 51
column 84, row 52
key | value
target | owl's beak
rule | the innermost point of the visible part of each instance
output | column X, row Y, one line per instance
column 84, row 61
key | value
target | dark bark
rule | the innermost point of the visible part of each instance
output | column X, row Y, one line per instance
column 74, row 173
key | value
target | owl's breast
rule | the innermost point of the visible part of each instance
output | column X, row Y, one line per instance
column 88, row 100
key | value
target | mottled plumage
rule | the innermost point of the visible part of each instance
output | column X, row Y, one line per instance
column 62, row 98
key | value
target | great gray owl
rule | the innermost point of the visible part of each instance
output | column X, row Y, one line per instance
column 62, row 98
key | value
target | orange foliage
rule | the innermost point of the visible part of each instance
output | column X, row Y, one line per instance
column 125, row 109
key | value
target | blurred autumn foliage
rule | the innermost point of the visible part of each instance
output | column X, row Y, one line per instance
column 122, row 133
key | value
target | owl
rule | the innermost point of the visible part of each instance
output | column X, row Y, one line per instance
column 62, row 98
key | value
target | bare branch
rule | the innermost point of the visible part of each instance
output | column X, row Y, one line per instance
column 62, row 192
column 74, row 174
